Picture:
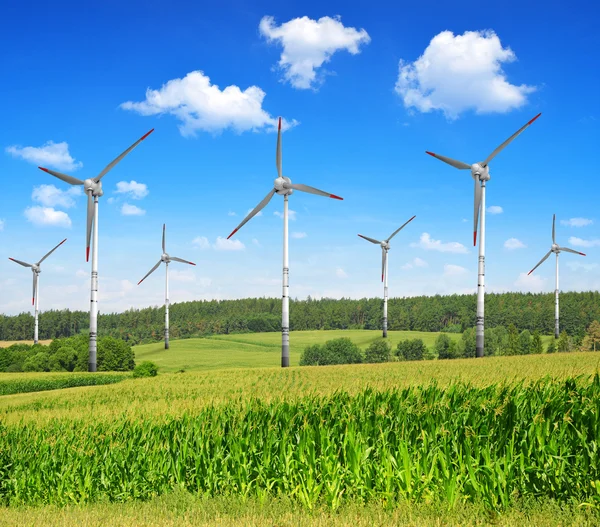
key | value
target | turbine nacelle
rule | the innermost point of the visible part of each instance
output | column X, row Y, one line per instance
column 36, row 269
column 385, row 245
column 93, row 186
column 281, row 186
column 555, row 248
column 480, row 172
column 165, row 258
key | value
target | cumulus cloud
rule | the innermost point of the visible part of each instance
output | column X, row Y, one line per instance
column 457, row 73
column 416, row 262
column 133, row 189
column 576, row 222
column 340, row 273
column 47, row 216
column 495, row 209
column 200, row 105
column 223, row 244
column 584, row 266
column 50, row 154
column 308, row 44
column 299, row 235
column 291, row 214
column 428, row 243
column 579, row 242
column 201, row 242
column 131, row 210
column 51, row 196
column 532, row 282
column 513, row 243
column 453, row 270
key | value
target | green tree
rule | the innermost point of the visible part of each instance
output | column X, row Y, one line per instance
column 525, row 342
column 445, row 347
column 564, row 342
column 513, row 344
column 591, row 341
column 536, row 343
column 468, row 343
column 378, row 351
column 414, row 349
column 38, row 362
column 551, row 347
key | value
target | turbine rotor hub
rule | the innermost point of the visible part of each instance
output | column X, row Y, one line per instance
column 385, row 245
column 35, row 268
column 555, row 248
column 280, row 184
column 480, row 172
column 93, row 186
column 165, row 258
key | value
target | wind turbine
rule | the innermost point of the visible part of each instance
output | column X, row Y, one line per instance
column 35, row 268
column 93, row 188
column 385, row 247
column 554, row 248
column 480, row 172
column 167, row 259
column 284, row 187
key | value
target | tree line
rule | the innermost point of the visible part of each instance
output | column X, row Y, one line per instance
column 452, row 313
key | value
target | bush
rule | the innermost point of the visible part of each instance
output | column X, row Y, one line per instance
column 445, row 347
column 536, row 343
column 413, row 349
column 551, row 346
column 378, row 351
column 468, row 344
column 564, row 342
column 525, row 342
column 336, row 351
column 145, row 369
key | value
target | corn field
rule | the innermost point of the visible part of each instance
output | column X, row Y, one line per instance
column 487, row 445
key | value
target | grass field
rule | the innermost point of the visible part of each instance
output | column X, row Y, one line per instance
column 7, row 343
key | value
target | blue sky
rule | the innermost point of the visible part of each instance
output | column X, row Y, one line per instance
column 363, row 96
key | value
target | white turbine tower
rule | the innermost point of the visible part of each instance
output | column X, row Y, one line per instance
column 93, row 188
column 385, row 247
column 35, row 268
column 167, row 259
column 480, row 172
column 284, row 187
column 554, row 248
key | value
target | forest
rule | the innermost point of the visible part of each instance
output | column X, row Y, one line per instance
column 452, row 313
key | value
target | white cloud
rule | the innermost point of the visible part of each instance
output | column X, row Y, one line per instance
column 428, row 243
column 579, row 242
column 182, row 276
column 230, row 213
column 459, row 73
column 51, row 154
column 340, row 273
column 131, row 210
column 416, row 262
column 1, row 225
column 308, row 44
column 133, row 189
column 80, row 273
column 110, row 200
column 291, row 214
column 201, row 242
column 530, row 282
column 51, row 196
column 495, row 209
column 200, row 105
column 453, row 270
column 47, row 216
column 223, row 244
column 513, row 243
column 299, row 235
column 577, row 222
column 575, row 266
column 256, row 242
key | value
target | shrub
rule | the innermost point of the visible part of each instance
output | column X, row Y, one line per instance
column 145, row 369
column 378, row 351
column 413, row 349
column 525, row 342
column 468, row 343
column 551, row 346
column 564, row 342
column 445, row 347
column 38, row 362
column 114, row 355
column 536, row 343
column 336, row 351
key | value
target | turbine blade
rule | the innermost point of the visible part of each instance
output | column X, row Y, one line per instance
column 90, row 221
column 567, row 250
column 382, row 263
column 180, row 260
column 553, row 228
column 254, row 212
column 163, row 241
column 67, row 179
column 112, row 164
column 370, row 239
column 34, row 289
column 398, row 230
column 24, row 264
column 150, row 272
column 540, row 262
column 477, row 206
column 510, row 139
column 311, row 190
column 49, row 253
column 453, row 162
column 278, row 152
